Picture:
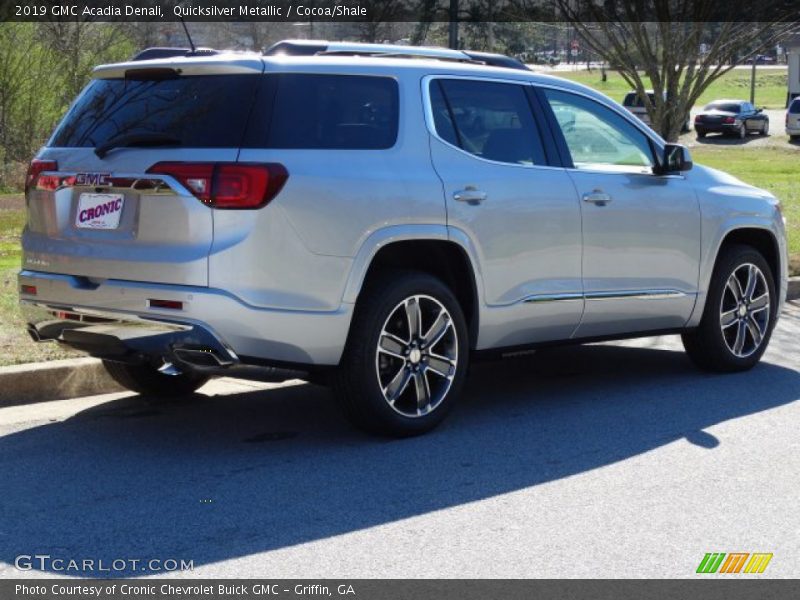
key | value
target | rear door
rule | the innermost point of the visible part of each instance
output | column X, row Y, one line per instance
column 520, row 212
column 96, row 212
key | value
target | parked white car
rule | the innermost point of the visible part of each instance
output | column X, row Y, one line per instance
column 793, row 120
column 635, row 105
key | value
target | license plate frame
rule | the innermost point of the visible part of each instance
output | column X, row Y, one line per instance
column 99, row 211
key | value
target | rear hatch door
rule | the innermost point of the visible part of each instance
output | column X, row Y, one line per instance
column 95, row 211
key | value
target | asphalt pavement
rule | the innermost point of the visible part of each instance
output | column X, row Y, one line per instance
column 611, row 460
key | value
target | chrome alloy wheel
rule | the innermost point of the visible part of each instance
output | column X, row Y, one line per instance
column 745, row 310
column 417, row 356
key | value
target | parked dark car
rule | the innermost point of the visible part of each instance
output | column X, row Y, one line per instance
column 731, row 117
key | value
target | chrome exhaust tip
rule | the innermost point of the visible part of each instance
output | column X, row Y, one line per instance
column 169, row 369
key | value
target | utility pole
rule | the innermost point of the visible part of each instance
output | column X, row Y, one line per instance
column 753, row 82
column 452, row 34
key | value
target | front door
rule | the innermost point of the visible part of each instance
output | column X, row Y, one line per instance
column 641, row 231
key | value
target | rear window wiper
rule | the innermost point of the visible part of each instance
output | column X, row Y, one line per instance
column 135, row 139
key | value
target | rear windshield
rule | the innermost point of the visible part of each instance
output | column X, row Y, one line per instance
column 724, row 107
column 198, row 111
column 310, row 111
column 794, row 107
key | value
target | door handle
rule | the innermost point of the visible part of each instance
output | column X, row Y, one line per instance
column 598, row 197
column 470, row 195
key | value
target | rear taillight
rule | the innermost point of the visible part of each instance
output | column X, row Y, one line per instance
column 36, row 168
column 697, row 118
column 728, row 120
column 227, row 185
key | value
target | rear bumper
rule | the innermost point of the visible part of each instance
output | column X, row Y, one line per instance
column 717, row 127
column 127, row 338
column 793, row 130
column 113, row 319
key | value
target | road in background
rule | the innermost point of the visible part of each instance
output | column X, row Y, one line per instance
column 613, row 460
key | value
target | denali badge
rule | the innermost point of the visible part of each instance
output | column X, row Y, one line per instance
column 93, row 179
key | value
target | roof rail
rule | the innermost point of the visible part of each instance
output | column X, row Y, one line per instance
column 321, row 48
column 166, row 52
column 497, row 60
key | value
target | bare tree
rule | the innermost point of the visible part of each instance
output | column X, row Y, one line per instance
column 679, row 50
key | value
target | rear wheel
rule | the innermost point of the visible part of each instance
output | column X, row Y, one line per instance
column 148, row 381
column 742, row 133
column 700, row 133
column 739, row 314
column 406, row 356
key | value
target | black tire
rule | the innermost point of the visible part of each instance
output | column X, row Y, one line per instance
column 146, row 380
column 742, row 132
column 707, row 346
column 794, row 138
column 700, row 133
column 764, row 128
column 357, row 383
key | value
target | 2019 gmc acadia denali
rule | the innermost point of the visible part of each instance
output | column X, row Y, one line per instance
column 374, row 216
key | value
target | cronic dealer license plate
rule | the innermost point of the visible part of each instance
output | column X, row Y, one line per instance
column 99, row 211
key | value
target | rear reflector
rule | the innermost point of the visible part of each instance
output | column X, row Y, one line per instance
column 171, row 304
column 228, row 185
column 30, row 290
column 35, row 169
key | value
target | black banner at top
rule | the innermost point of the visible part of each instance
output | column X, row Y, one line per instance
column 671, row 11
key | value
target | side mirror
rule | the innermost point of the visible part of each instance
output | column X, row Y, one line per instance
column 760, row 110
column 674, row 159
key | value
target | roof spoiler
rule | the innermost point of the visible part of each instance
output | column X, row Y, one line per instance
column 167, row 52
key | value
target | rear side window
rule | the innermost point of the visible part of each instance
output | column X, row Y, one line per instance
column 199, row 111
column 490, row 120
column 794, row 107
column 348, row 112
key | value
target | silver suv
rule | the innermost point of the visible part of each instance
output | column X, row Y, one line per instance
column 373, row 217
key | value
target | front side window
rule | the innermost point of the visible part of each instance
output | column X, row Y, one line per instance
column 597, row 137
column 490, row 120
column 794, row 108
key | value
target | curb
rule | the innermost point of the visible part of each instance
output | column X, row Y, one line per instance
column 793, row 291
column 55, row 380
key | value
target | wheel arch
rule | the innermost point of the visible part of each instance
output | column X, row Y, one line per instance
column 763, row 238
column 426, row 248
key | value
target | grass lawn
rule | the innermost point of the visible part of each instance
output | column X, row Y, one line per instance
column 773, row 168
column 770, row 86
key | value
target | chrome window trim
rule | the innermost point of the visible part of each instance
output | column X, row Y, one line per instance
column 620, row 111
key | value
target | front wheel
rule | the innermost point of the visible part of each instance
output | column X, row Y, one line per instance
column 148, row 381
column 406, row 356
column 739, row 314
column 765, row 128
